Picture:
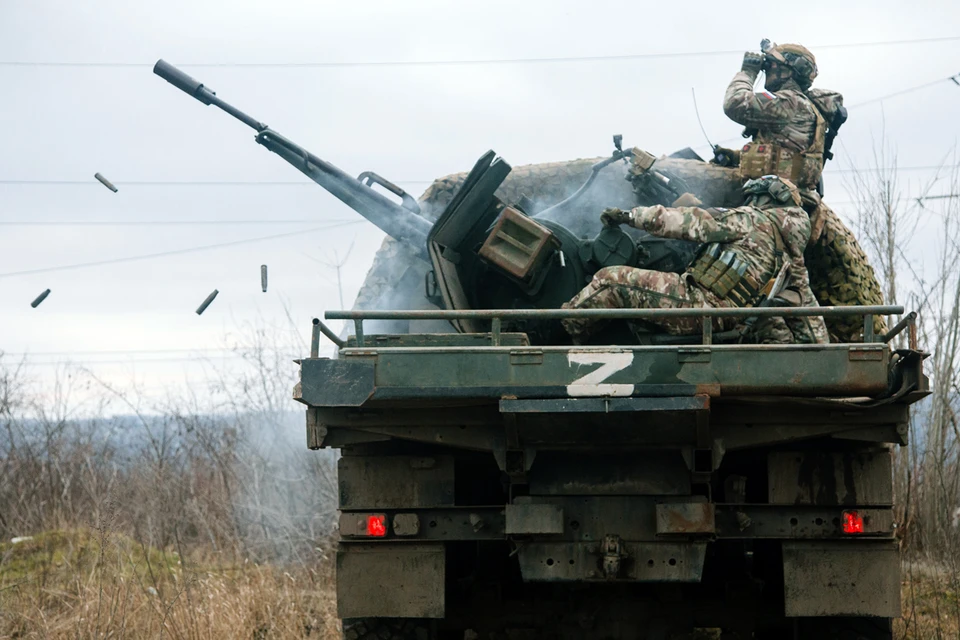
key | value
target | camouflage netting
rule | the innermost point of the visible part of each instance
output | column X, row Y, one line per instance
column 840, row 273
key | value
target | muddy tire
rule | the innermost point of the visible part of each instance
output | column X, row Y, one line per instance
column 385, row 629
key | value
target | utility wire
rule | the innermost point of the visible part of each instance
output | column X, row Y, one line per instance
column 954, row 79
column 189, row 183
column 138, row 360
column 145, row 223
column 96, row 352
column 302, row 183
column 470, row 62
column 929, row 167
column 215, row 183
column 175, row 183
column 162, row 254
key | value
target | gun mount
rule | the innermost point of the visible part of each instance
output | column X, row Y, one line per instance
column 485, row 253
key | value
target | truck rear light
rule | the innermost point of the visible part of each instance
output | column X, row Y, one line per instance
column 377, row 525
column 852, row 522
column 368, row 525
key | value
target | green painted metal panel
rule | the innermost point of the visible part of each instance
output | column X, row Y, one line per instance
column 796, row 370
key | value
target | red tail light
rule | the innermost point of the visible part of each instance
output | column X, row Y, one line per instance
column 852, row 522
column 377, row 525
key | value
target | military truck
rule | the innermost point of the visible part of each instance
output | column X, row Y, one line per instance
column 497, row 481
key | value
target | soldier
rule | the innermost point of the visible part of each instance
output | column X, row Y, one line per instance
column 792, row 127
column 788, row 128
column 745, row 249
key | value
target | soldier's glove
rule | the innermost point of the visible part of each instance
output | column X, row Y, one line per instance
column 752, row 62
column 614, row 217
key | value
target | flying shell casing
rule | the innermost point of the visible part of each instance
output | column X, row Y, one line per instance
column 206, row 303
column 263, row 277
column 105, row 182
column 40, row 298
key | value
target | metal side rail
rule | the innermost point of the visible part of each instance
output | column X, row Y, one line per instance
column 496, row 317
column 495, row 367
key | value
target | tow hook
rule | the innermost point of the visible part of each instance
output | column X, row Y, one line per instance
column 612, row 555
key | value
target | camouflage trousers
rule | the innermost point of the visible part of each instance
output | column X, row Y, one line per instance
column 631, row 288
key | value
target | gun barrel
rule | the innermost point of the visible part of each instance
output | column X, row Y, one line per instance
column 196, row 89
column 403, row 224
column 182, row 81
column 400, row 222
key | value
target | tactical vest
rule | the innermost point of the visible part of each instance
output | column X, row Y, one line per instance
column 724, row 273
column 803, row 168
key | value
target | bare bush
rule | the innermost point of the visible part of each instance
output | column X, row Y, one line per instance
column 215, row 478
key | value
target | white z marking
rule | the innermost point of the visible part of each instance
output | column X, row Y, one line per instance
column 593, row 383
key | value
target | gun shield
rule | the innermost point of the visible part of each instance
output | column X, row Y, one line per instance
column 206, row 303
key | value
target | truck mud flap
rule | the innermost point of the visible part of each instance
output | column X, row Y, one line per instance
column 390, row 580
column 849, row 578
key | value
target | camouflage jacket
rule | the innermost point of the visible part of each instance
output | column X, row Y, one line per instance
column 786, row 117
column 749, row 232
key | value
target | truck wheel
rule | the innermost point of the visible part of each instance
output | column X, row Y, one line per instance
column 385, row 629
column 847, row 628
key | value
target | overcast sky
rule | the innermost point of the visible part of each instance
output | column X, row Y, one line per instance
column 409, row 123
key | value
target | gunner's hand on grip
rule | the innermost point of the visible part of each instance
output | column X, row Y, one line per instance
column 614, row 217
column 752, row 61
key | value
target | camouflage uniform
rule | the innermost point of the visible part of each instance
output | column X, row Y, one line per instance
column 784, row 117
column 795, row 119
column 748, row 231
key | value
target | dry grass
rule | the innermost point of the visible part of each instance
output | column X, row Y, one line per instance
column 931, row 603
column 84, row 584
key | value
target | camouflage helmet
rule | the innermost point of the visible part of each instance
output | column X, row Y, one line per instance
column 798, row 58
column 780, row 189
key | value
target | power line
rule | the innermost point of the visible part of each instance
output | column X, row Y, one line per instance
column 247, row 183
column 162, row 254
column 952, row 78
column 138, row 223
column 135, row 360
column 96, row 352
column 929, row 167
column 187, row 183
column 301, row 183
column 172, row 183
column 147, row 223
column 465, row 62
